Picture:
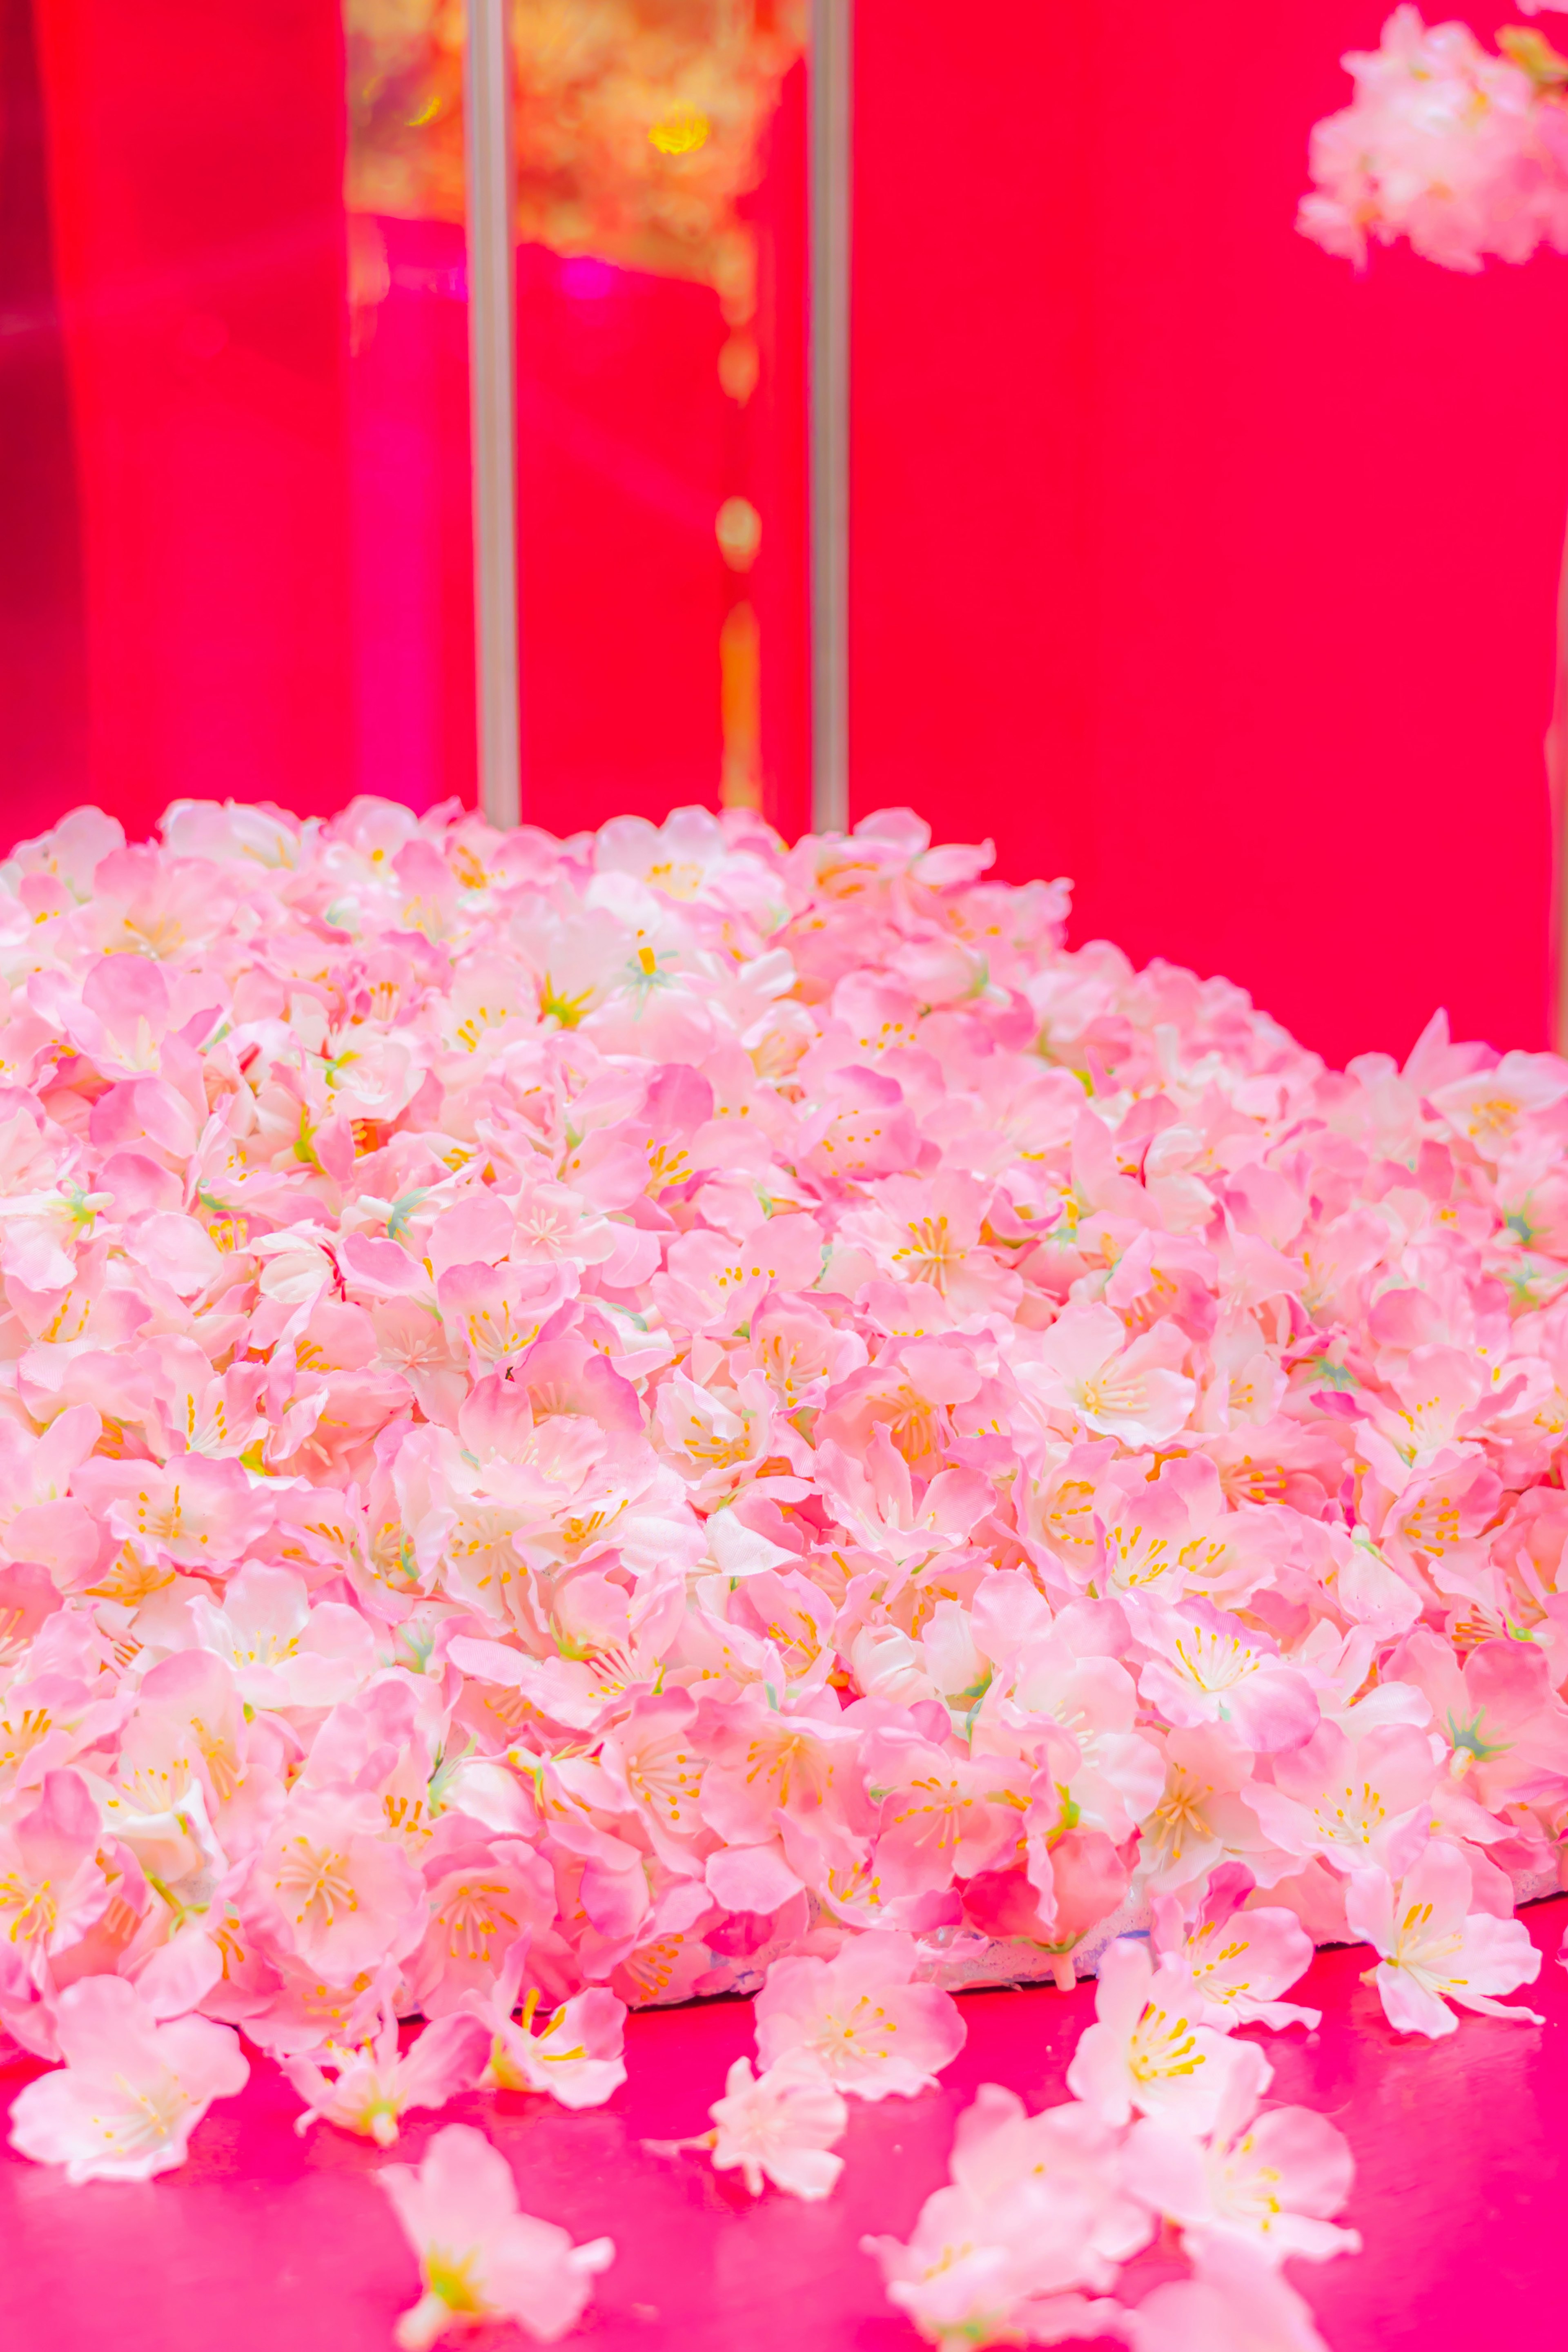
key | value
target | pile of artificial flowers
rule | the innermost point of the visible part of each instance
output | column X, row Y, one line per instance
column 587, row 1424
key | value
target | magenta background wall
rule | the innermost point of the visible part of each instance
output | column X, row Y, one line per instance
column 1186, row 562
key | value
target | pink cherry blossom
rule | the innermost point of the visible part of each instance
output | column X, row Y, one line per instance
column 575, row 2057
column 283, row 1652
column 479, row 2257
column 1145, row 2054
column 132, row 2091
column 998, row 2146
column 1238, row 1959
column 52, row 1885
column 781, row 2125
column 860, row 2019
column 1506, row 1728
column 1272, row 2179
column 1236, row 2300
column 1433, row 1949
column 325, row 1886
column 1033, row 2216
column 373, row 2087
column 1207, row 1667
column 1355, row 1802
column 1087, row 1371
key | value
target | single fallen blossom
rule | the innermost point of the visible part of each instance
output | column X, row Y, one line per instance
column 780, row 2125
column 576, row 2056
column 1145, row 2054
column 133, row 2089
column 374, row 2087
column 479, row 2257
column 1003, row 2254
column 1236, row 2300
column 1434, row 1949
column 1238, row 1959
column 860, row 2019
column 1273, row 2179
column 998, row 2146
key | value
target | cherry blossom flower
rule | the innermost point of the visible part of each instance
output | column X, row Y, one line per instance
column 1236, row 2300
column 285, row 1652
column 52, row 1885
column 860, row 2019
column 325, row 1886
column 1458, row 149
column 1207, row 1667
column 1272, row 2179
column 1433, row 1949
column 1506, row 1728
column 576, row 2055
column 1033, row 2216
column 1236, row 1959
column 781, row 2125
column 1145, row 2054
column 1355, row 1802
column 998, row 2146
column 374, row 2085
column 479, row 2257
column 1087, row 1370
column 132, row 2091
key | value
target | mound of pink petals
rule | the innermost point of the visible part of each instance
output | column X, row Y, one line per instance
column 1461, row 151
column 589, row 1422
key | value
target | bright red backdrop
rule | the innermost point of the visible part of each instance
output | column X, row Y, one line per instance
column 196, row 164
column 1186, row 562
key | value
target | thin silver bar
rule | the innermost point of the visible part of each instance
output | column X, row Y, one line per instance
column 832, row 92
column 1557, row 789
column 492, row 402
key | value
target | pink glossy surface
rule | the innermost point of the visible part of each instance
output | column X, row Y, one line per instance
column 266, row 2240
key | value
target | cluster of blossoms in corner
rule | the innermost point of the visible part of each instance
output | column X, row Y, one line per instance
column 579, row 1419
column 1460, row 150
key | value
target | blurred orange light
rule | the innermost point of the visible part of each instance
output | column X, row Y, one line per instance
column 737, row 526
column 680, row 134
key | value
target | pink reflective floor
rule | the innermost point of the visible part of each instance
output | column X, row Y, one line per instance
column 265, row 2239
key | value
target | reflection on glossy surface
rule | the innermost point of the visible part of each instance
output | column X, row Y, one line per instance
column 265, row 2239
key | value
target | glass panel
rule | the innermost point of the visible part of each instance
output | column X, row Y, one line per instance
column 181, row 183
column 240, row 554
column 661, row 298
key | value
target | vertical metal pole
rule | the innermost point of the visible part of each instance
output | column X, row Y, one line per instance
column 832, row 65
column 1557, row 788
column 493, row 396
